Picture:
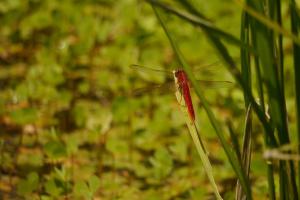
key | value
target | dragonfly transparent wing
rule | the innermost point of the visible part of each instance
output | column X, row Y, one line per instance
column 145, row 69
column 204, row 68
column 211, row 68
column 207, row 67
column 169, row 87
column 165, row 88
column 213, row 84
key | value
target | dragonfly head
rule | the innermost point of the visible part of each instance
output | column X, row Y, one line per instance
column 179, row 76
column 177, row 72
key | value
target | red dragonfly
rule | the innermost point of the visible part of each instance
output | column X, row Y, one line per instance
column 182, row 85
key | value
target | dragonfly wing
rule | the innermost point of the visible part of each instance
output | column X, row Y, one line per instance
column 144, row 68
column 211, row 68
column 215, row 84
column 164, row 88
column 207, row 66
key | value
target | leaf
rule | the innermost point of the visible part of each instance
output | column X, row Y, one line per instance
column 193, row 130
column 61, row 173
column 94, row 184
column 81, row 189
column 24, row 116
column 28, row 185
column 116, row 146
column 246, row 153
column 52, row 188
column 72, row 144
column 55, row 149
column 162, row 163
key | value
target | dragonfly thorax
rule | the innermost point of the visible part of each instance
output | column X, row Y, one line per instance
column 180, row 76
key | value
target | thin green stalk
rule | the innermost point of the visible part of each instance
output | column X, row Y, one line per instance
column 270, row 24
column 271, row 182
column 259, row 81
column 280, row 47
column 223, row 53
column 280, row 64
column 246, row 154
column 198, row 144
column 246, row 76
column 294, row 26
column 265, row 48
column 245, row 55
column 234, row 140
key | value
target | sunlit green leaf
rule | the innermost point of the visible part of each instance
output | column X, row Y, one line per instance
column 28, row 185
column 162, row 163
column 55, row 149
column 52, row 188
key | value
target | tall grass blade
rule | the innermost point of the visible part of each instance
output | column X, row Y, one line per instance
column 246, row 154
column 265, row 47
column 245, row 55
column 260, row 91
column 230, row 154
column 193, row 130
column 280, row 58
column 246, row 76
column 281, row 79
column 295, row 21
column 234, row 140
column 267, row 22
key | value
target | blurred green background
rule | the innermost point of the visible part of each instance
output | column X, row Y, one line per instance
column 76, row 122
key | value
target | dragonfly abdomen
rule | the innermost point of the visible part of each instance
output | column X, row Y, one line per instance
column 188, row 101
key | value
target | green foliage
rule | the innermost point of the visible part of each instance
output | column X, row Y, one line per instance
column 55, row 149
column 24, row 116
column 28, row 185
column 52, row 188
column 87, row 189
column 76, row 122
column 162, row 163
